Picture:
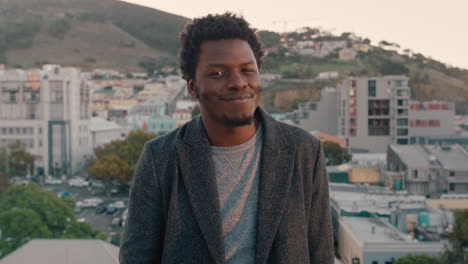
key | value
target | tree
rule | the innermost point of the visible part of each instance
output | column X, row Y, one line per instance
column 334, row 154
column 196, row 111
column 418, row 259
column 28, row 212
column 3, row 182
column 16, row 161
column 457, row 252
column 117, row 160
column 269, row 39
column 392, row 67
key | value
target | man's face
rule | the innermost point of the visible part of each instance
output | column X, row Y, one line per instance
column 226, row 82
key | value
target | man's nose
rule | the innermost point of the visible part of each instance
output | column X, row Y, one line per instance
column 236, row 80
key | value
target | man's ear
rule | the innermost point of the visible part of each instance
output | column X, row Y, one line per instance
column 192, row 90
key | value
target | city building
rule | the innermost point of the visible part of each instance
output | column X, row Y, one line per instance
column 60, row 251
column 103, row 131
column 324, row 137
column 429, row 169
column 434, row 118
column 48, row 110
column 346, row 54
column 182, row 116
column 160, row 124
column 319, row 115
column 373, row 112
column 373, row 224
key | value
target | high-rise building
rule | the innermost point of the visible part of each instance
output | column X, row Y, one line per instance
column 373, row 112
column 48, row 111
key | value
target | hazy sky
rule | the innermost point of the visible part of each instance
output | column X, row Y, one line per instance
column 435, row 28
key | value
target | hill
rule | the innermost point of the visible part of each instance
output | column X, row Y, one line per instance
column 429, row 79
column 89, row 34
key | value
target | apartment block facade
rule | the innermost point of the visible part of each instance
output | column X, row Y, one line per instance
column 48, row 110
column 373, row 112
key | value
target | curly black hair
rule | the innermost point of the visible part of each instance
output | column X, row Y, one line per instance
column 214, row 27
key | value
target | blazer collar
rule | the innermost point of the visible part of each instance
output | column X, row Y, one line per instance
column 198, row 173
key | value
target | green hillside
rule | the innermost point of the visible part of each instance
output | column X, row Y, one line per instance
column 89, row 34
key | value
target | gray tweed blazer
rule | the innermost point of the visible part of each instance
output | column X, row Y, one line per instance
column 174, row 214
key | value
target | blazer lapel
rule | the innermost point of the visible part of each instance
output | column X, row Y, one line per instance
column 276, row 169
column 200, row 181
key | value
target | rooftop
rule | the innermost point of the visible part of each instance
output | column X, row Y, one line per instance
column 60, row 251
column 99, row 124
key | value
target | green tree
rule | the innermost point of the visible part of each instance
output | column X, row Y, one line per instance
column 16, row 161
column 60, row 27
column 335, row 154
column 27, row 212
column 457, row 252
column 196, row 111
column 418, row 259
column 269, row 39
column 117, row 160
column 3, row 182
column 389, row 67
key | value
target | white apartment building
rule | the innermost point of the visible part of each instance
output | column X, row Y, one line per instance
column 373, row 112
column 48, row 110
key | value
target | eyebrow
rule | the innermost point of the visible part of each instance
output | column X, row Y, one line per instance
column 224, row 65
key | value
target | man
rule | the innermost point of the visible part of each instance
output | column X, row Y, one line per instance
column 233, row 185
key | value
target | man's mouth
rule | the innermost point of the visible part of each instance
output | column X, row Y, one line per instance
column 238, row 98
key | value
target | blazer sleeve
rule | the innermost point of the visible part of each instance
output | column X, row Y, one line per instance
column 142, row 238
column 320, row 234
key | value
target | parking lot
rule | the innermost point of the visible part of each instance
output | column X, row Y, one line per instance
column 99, row 220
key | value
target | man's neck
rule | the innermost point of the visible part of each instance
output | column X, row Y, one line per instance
column 228, row 136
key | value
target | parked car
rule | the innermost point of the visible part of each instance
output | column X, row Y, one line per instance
column 118, row 204
column 78, row 182
column 63, row 194
column 90, row 202
column 111, row 210
column 96, row 183
column 78, row 209
column 100, row 209
column 51, row 180
column 116, row 221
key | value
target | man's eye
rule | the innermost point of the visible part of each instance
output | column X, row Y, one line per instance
column 217, row 74
column 248, row 70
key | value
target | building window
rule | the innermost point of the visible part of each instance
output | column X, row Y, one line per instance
column 402, row 122
column 378, row 107
column 313, row 106
column 434, row 123
column 415, row 174
column 452, row 187
column 12, row 97
column 402, row 141
column 352, row 132
column 399, row 83
column 402, row 92
column 402, row 102
column 402, row 112
column 452, row 173
column 379, row 127
column 402, row 131
column 371, row 88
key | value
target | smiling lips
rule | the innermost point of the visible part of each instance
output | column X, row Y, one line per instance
column 239, row 99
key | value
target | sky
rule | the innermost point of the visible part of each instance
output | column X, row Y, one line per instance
column 435, row 28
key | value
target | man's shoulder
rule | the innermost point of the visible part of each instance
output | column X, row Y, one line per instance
column 166, row 144
column 298, row 135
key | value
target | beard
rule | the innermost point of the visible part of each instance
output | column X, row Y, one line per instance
column 238, row 122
